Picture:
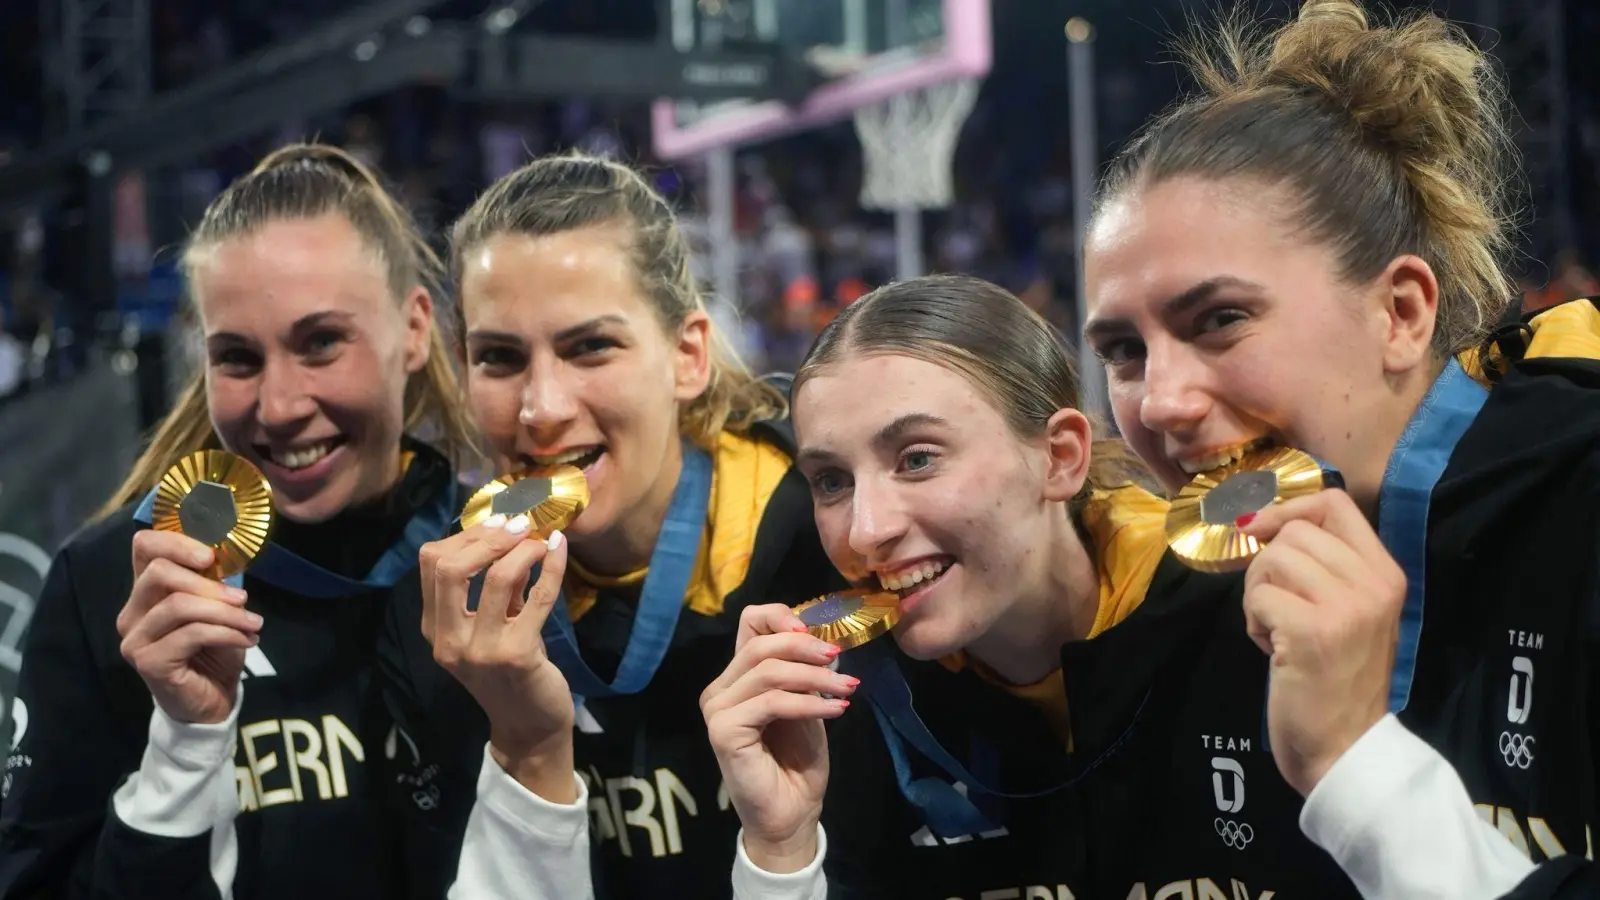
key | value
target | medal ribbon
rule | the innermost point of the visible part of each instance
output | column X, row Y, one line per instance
column 1419, row 458
column 947, row 809
column 660, row 602
column 1415, row 465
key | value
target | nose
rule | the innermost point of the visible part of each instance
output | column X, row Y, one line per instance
column 549, row 403
column 1174, row 400
column 284, row 400
column 877, row 519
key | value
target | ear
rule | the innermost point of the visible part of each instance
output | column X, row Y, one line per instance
column 417, row 314
column 1067, row 439
column 692, row 357
column 1409, row 293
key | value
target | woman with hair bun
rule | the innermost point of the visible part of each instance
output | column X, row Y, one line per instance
column 190, row 737
column 1299, row 255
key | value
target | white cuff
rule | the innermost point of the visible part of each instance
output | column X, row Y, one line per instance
column 1393, row 813
column 520, row 845
column 185, row 785
column 752, row 883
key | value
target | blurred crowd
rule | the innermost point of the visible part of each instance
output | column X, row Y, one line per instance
column 806, row 246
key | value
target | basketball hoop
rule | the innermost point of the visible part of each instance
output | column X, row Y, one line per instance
column 908, row 144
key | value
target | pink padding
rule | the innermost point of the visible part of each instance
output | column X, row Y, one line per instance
column 968, row 52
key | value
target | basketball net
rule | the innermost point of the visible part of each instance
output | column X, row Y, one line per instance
column 908, row 144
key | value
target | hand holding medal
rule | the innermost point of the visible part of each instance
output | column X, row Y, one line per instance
column 496, row 650
column 764, row 715
column 183, row 629
column 1322, row 597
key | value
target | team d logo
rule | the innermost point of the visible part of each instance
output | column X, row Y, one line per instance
column 1227, row 788
column 1515, row 747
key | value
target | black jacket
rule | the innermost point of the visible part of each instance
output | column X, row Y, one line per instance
column 323, row 827
column 661, row 824
column 1043, row 847
column 1191, row 800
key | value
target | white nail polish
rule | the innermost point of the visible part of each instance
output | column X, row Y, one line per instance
column 495, row 521
column 554, row 540
column 518, row 525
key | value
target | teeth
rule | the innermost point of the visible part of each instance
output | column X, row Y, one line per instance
column 299, row 459
column 561, row 459
column 1219, row 459
column 906, row 578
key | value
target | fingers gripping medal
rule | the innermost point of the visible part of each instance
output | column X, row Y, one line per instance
column 220, row 500
column 850, row 618
column 550, row 496
column 1200, row 522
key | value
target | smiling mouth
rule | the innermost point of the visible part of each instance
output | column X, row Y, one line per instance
column 1213, row 461
column 581, row 458
column 298, row 457
column 907, row 581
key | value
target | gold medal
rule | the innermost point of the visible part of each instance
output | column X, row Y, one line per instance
column 1200, row 522
column 551, row 496
column 850, row 618
column 221, row 500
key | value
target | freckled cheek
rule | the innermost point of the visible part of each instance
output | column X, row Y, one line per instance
column 833, row 526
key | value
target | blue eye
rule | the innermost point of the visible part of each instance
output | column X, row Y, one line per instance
column 828, row 483
column 918, row 461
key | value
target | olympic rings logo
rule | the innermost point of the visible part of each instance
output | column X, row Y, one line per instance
column 1238, row 836
column 1517, row 749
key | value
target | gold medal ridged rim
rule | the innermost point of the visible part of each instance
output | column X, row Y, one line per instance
column 252, row 501
column 1222, row 548
column 878, row 613
column 569, row 495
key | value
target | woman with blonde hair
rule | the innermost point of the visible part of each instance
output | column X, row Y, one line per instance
column 188, row 737
column 573, row 692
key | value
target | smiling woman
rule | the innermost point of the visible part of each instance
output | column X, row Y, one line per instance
column 315, row 295
column 309, row 263
column 967, row 481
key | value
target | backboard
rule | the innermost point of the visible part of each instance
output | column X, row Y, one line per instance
column 874, row 48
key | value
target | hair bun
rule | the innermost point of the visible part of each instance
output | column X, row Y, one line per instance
column 1340, row 14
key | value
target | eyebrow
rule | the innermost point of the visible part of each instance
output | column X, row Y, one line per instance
column 302, row 324
column 491, row 336
column 887, row 437
column 1173, row 306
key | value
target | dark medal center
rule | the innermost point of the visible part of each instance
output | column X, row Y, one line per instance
column 521, row 497
column 208, row 513
column 831, row 610
column 1237, row 495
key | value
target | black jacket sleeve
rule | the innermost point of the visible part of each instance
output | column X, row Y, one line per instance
column 87, row 718
column 69, row 758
